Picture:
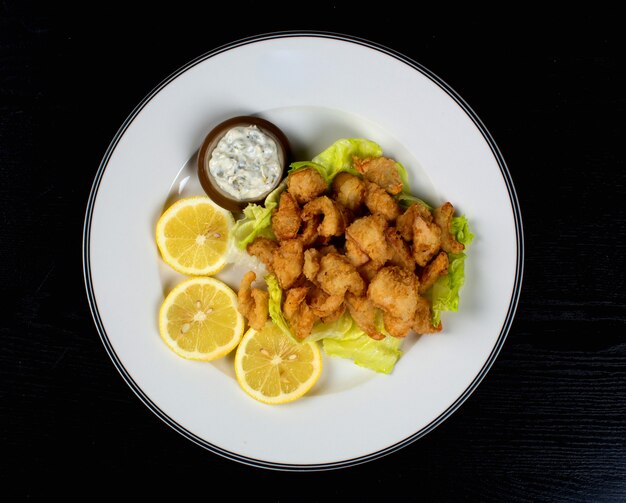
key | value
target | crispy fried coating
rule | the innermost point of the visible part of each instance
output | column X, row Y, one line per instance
column 432, row 271
column 308, row 231
column 263, row 249
column 382, row 171
column 337, row 276
column 426, row 240
column 311, row 264
column 404, row 223
column 349, row 191
column 252, row 302
column 297, row 312
column 379, row 202
column 354, row 254
column 363, row 313
column 286, row 218
column 394, row 290
column 422, row 323
column 332, row 221
column 287, row 262
column 443, row 218
column 369, row 270
column 396, row 326
column 401, row 252
column 306, row 184
column 368, row 233
column 324, row 305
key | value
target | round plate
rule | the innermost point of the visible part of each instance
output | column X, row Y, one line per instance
column 317, row 88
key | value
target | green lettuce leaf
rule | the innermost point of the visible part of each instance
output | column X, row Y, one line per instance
column 460, row 228
column 380, row 356
column 334, row 330
column 275, row 305
column 445, row 292
column 339, row 156
column 257, row 220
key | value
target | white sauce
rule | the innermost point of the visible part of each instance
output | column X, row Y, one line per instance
column 244, row 163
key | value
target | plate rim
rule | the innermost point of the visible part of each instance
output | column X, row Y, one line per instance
column 513, row 303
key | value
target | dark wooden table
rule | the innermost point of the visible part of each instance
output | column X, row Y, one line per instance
column 548, row 423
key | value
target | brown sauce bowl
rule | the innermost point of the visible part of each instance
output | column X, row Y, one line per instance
column 211, row 140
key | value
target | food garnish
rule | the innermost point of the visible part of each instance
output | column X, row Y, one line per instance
column 199, row 319
column 272, row 368
column 192, row 236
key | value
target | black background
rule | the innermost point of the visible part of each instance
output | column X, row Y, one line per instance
column 546, row 424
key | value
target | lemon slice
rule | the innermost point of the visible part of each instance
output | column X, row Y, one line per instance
column 199, row 320
column 273, row 368
column 192, row 236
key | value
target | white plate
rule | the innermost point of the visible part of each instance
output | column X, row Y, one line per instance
column 317, row 88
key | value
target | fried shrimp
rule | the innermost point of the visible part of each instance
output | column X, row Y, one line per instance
column 422, row 323
column 401, row 252
column 324, row 305
column 368, row 233
column 337, row 276
column 436, row 268
column 298, row 313
column 349, row 190
column 379, row 202
column 286, row 218
column 287, row 262
column 363, row 313
column 404, row 223
column 332, row 221
column 443, row 218
column 306, row 184
column 381, row 171
column 263, row 249
column 394, row 290
column 426, row 240
column 252, row 302
column 311, row 264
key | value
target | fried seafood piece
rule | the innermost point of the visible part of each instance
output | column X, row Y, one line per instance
column 337, row 276
column 404, row 223
column 287, row 262
column 349, row 190
column 286, row 218
column 369, row 270
column 396, row 326
column 263, row 249
column 306, row 184
column 443, row 218
column 368, row 233
column 363, row 313
column 311, row 264
column 324, row 305
column 382, row 171
column 379, row 202
column 426, row 240
column 394, row 290
column 422, row 323
column 401, row 252
column 252, row 302
column 354, row 254
column 333, row 219
column 297, row 312
column 432, row 271
column 308, row 235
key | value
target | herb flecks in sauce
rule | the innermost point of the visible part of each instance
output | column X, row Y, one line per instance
column 245, row 163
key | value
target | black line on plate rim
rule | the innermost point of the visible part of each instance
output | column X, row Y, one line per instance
column 348, row 462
